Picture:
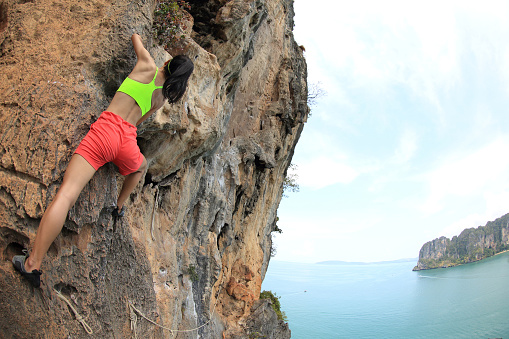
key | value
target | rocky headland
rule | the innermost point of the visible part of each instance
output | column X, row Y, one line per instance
column 194, row 247
column 471, row 245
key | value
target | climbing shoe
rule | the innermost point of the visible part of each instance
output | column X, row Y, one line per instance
column 33, row 277
column 118, row 213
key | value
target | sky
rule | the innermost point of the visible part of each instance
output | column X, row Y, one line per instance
column 411, row 140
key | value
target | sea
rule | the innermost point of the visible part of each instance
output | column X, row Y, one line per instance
column 389, row 300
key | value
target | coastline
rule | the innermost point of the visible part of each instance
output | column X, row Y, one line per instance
column 416, row 269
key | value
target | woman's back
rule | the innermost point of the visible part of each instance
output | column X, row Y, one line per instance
column 124, row 102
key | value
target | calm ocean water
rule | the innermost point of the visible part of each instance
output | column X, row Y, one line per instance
column 388, row 300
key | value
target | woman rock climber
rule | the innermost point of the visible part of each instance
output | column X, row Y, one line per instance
column 111, row 138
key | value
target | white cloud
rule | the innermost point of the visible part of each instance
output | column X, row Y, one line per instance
column 497, row 203
column 320, row 237
column 407, row 147
column 321, row 171
column 377, row 44
column 504, row 69
column 392, row 70
column 325, row 164
column 321, row 161
column 473, row 174
column 472, row 220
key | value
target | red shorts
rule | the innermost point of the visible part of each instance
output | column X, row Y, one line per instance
column 111, row 138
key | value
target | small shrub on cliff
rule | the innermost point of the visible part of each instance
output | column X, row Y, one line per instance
column 273, row 251
column 290, row 180
column 276, row 227
column 169, row 20
column 191, row 270
column 315, row 92
column 276, row 305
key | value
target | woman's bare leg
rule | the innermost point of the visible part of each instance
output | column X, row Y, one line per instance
column 78, row 174
column 130, row 183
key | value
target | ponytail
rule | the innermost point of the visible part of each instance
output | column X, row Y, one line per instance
column 177, row 73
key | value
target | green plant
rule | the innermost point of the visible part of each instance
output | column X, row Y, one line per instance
column 169, row 21
column 276, row 305
column 276, row 227
column 273, row 250
column 191, row 270
column 290, row 180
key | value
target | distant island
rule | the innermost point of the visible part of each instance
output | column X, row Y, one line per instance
column 473, row 244
column 337, row 262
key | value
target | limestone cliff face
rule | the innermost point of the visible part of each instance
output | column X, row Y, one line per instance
column 471, row 245
column 195, row 244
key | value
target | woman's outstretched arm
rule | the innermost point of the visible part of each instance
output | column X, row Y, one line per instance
column 141, row 53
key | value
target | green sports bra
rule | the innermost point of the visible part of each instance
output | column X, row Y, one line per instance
column 140, row 92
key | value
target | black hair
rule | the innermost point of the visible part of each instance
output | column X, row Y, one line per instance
column 177, row 73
